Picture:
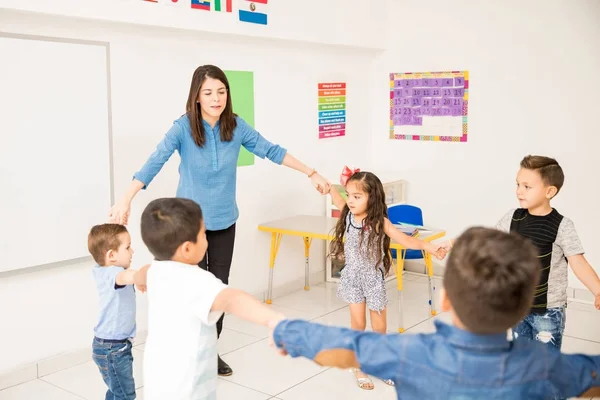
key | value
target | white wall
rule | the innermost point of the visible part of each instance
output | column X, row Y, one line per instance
column 53, row 311
column 538, row 60
column 534, row 86
column 317, row 21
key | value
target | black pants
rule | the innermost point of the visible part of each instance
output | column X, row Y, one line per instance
column 218, row 258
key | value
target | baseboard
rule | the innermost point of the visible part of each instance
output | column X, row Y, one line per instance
column 418, row 266
column 314, row 278
column 68, row 360
column 581, row 295
column 20, row 375
column 63, row 361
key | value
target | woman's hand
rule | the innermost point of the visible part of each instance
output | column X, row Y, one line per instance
column 119, row 213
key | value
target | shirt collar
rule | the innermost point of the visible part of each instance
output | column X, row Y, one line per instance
column 465, row 339
column 207, row 125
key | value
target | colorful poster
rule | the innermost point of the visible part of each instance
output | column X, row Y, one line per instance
column 241, row 85
column 429, row 106
column 332, row 109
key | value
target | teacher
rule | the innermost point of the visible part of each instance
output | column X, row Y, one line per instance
column 209, row 138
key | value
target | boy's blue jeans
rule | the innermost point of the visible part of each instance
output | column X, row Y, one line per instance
column 115, row 362
column 546, row 328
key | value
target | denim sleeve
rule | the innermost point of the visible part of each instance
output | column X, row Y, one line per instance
column 573, row 374
column 377, row 354
column 164, row 150
column 255, row 143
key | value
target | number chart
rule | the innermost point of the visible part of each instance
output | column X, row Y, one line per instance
column 429, row 106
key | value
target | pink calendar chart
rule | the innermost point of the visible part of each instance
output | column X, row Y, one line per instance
column 429, row 106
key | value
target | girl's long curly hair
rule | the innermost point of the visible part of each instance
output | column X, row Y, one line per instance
column 378, row 243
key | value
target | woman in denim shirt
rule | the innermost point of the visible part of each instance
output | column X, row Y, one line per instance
column 208, row 139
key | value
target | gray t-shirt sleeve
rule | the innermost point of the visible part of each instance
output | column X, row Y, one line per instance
column 504, row 223
column 567, row 238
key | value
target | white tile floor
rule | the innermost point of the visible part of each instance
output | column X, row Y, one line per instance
column 260, row 374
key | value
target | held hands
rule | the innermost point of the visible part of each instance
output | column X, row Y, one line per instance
column 597, row 302
column 272, row 325
column 139, row 279
column 320, row 183
column 447, row 245
column 119, row 213
column 437, row 250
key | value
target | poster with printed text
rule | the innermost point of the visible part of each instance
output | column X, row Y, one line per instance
column 429, row 106
column 332, row 109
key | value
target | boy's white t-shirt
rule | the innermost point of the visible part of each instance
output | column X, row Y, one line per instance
column 180, row 356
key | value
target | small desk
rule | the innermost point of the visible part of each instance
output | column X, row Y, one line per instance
column 310, row 227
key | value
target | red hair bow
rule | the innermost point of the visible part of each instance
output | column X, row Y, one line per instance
column 346, row 174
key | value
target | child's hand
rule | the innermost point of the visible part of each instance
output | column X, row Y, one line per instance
column 597, row 302
column 436, row 249
column 139, row 279
column 447, row 245
column 272, row 325
column 440, row 254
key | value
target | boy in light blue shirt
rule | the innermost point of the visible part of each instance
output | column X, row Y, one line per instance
column 110, row 245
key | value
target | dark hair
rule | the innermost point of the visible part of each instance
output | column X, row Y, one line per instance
column 103, row 238
column 169, row 222
column 378, row 243
column 227, row 118
column 548, row 168
column 490, row 279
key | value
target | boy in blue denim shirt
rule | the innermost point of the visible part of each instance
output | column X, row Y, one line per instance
column 110, row 245
column 489, row 286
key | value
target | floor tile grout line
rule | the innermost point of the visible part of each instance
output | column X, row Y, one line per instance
column 299, row 383
column 245, row 387
column 244, row 346
column 578, row 338
column 62, row 388
column 245, row 333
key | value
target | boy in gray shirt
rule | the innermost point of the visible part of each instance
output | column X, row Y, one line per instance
column 540, row 179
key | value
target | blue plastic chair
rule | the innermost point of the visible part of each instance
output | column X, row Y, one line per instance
column 405, row 213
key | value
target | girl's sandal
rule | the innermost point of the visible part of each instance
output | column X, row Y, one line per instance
column 364, row 383
column 388, row 382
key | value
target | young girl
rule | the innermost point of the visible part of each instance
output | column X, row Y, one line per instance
column 362, row 238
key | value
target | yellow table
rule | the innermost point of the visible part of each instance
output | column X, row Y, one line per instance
column 310, row 227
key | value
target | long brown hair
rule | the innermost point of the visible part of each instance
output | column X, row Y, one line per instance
column 378, row 243
column 227, row 118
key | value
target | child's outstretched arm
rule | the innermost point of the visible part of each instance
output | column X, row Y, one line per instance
column 412, row 243
column 337, row 198
column 242, row 305
column 573, row 374
column 132, row 276
column 376, row 354
column 586, row 274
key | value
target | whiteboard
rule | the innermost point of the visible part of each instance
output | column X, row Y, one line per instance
column 55, row 148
